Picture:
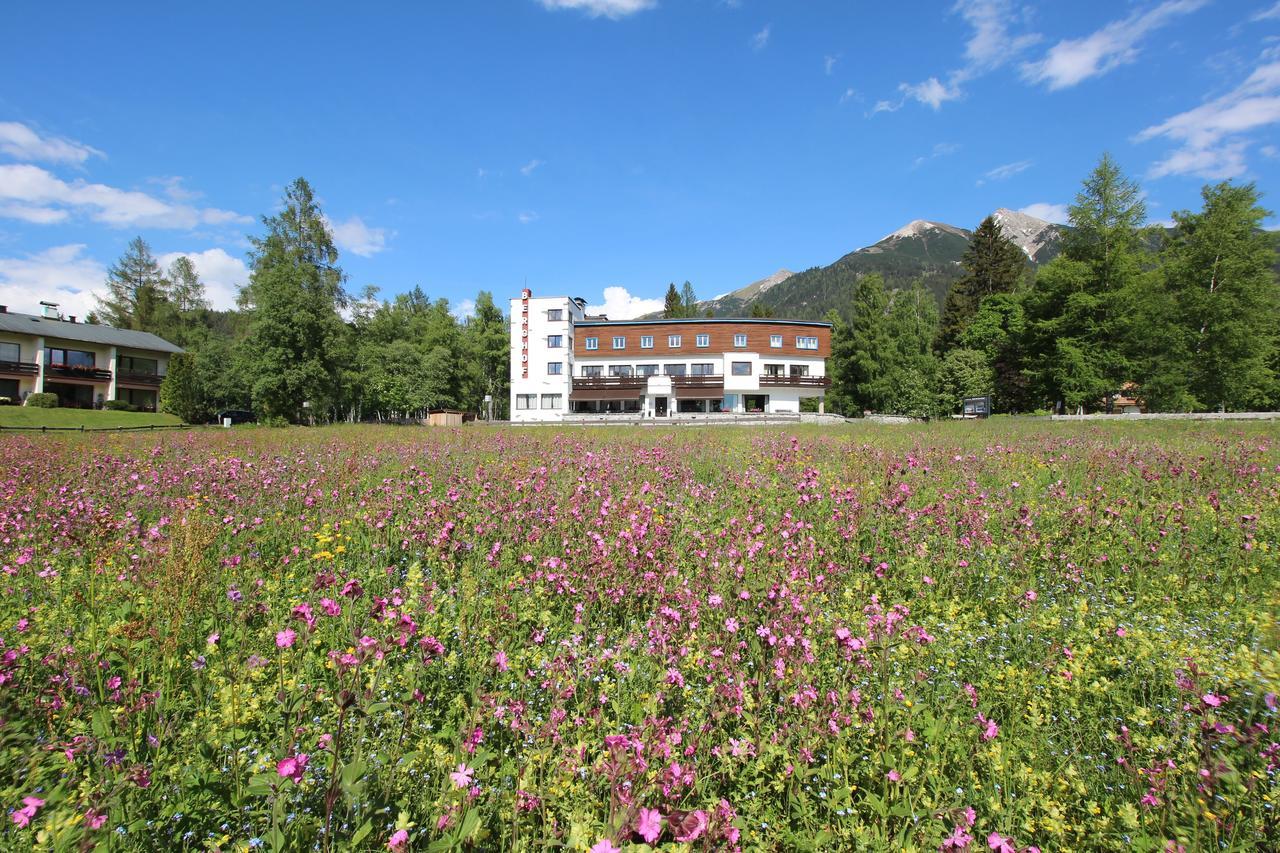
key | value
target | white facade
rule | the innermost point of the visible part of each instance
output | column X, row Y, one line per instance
column 563, row 363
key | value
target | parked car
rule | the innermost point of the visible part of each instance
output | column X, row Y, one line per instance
column 237, row 416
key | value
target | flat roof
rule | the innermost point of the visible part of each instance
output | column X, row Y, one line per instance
column 29, row 324
column 659, row 321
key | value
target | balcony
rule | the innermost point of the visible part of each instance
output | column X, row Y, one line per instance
column 794, row 382
column 139, row 377
column 608, row 383
column 704, row 381
column 19, row 368
column 75, row 371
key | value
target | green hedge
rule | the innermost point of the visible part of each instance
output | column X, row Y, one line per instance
column 44, row 400
column 119, row 406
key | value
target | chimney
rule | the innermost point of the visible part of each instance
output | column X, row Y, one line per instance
column 51, row 311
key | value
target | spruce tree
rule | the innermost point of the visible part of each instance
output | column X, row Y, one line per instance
column 993, row 264
column 672, row 306
column 296, row 338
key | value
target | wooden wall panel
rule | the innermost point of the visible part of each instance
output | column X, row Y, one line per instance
column 721, row 333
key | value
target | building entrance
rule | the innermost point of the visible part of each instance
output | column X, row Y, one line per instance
column 660, row 407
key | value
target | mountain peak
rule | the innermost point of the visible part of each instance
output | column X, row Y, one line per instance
column 922, row 228
column 1029, row 233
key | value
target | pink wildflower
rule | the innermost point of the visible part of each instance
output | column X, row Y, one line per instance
column 894, row 776
column 959, row 839
column 604, row 845
column 1213, row 700
column 30, row 805
column 500, row 661
column 1000, row 844
column 649, row 825
column 692, row 826
column 292, row 767
column 462, row 776
column 285, row 638
column 398, row 840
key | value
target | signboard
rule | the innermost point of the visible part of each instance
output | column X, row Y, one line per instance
column 976, row 407
column 524, row 332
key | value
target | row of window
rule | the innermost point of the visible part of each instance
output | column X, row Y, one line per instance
column 530, row 401
column 736, row 368
column 675, row 341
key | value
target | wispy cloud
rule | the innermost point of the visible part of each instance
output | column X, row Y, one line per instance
column 1269, row 14
column 1008, row 170
column 532, row 166
column 1072, row 61
column 525, row 217
column 942, row 149
column 354, row 236
column 619, row 304
column 850, row 94
column 760, row 40
column 1048, row 212
column 829, row 64
column 34, row 195
column 1212, row 136
column 62, row 274
column 613, row 9
column 22, row 143
column 464, row 309
column 991, row 44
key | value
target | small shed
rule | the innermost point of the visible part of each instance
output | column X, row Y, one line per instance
column 444, row 417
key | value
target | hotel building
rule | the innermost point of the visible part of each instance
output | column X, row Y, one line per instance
column 84, row 364
column 566, row 363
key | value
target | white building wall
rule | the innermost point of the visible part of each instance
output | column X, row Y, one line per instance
column 534, row 352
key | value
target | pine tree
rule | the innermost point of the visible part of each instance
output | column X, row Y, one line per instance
column 993, row 264
column 759, row 309
column 296, row 341
column 1079, row 333
column 689, row 300
column 672, row 306
column 136, row 289
column 1209, row 318
column 858, row 350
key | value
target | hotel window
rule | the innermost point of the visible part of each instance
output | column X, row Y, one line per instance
column 555, row 315
column 739, row 340
column 673, row 369
column 799, row 370
column 673, row 341
column 555, row 368
column 619, row 370
column 806, row 343
column 702, row 340
column 69, row 357
column 646, row 370
column 592, row 370
column 555, row 341
column 619, row 342
column 646, row 342
column 591, row 343
column 774, row 370
column 135, row 364
column 526, row 401
column 551, row 401
column 10, row 352
column 706, row 369
column 775, row 341
column 742, row 368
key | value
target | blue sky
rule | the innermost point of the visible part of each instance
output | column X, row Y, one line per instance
column 600, row 148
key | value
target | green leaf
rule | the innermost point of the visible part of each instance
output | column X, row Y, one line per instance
column 362, row 833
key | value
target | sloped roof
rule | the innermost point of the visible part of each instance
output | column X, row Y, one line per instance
column 30, row 324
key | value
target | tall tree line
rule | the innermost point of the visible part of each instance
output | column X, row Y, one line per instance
column 299, row 348
column 1184, row 320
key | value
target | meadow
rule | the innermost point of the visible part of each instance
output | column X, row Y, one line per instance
column 975, row 636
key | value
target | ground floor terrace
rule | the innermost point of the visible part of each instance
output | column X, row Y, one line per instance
column 663, row 396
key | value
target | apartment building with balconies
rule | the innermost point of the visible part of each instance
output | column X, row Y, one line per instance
column 84, row 364
column 566, row 363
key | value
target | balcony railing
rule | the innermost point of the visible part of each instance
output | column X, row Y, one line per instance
column 139, row 377
column 608, row 383
column 20, row 368
column 702, row 381
column 75, row 371
column 795, row 381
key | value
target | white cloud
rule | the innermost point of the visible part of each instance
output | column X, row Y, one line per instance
column 357, row 238
column 223, row 275
column 829, row 64
column 527, row 216
column 1046, row 211
column 529, row 168
column 62, row 274
column 850, row 94
column 34, row 195
column 614, row 9
column 1269, row 14
column 941, row 149
column 760, row 40
column 1212, row 135
column 1008, row 170
column 991, row 44
column 619, row 304
column 22, row 143
column 464, row 309
column 1072, row 61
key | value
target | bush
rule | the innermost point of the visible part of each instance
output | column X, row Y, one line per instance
column 119, row 406
column 45, row 400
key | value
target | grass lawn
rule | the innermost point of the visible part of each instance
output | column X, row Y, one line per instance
column 27, row 416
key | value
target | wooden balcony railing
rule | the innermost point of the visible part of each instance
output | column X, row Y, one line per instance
column 795, row 381
column 139, row 377
column 19, row 368
column 608, row 383
column 704, row 381
column 71, row 371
